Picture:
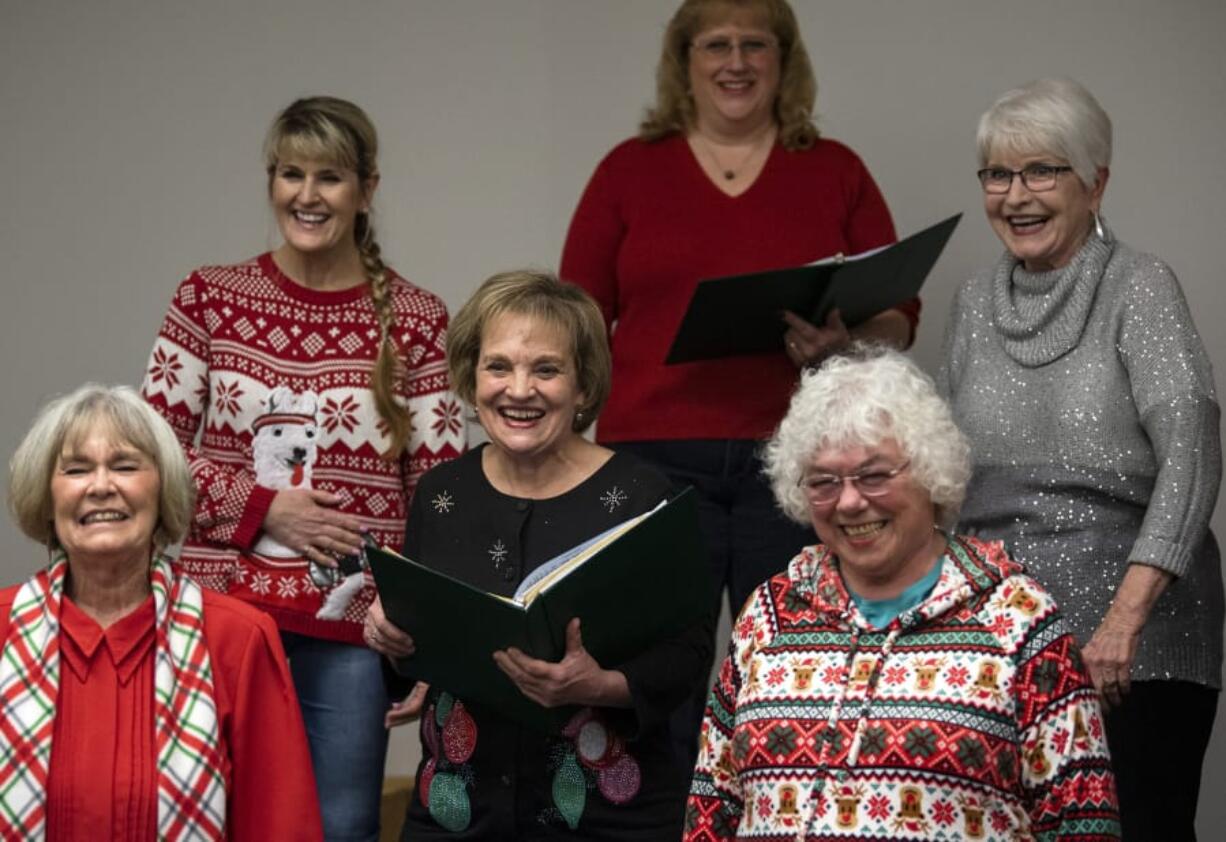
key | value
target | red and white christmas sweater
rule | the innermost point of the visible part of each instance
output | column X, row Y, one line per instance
column 267, row 385
column 969, row 717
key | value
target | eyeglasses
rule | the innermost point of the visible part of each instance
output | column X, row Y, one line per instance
column 720, row 47
column 1038, row 178
column 824, row 489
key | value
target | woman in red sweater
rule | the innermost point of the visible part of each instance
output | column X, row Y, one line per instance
column 727, row 176
column 309, row 387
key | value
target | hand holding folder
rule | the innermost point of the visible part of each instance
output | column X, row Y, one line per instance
column 741, row 314
column 632, row 587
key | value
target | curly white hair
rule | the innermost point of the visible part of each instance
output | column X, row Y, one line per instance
column 861, row 399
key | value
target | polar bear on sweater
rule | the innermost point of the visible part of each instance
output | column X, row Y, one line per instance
column 283, row 447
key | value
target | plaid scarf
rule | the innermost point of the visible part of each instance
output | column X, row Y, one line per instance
column 190, row 790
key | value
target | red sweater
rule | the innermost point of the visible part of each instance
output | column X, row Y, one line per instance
column 249, row 367
column 651, row 225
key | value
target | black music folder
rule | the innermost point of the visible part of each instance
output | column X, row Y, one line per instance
column 742, row 314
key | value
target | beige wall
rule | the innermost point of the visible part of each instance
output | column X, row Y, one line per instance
column 131, row 134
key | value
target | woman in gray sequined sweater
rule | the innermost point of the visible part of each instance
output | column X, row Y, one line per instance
column 1075, row 369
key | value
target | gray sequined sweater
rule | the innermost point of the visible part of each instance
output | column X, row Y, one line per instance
column 1090, row 406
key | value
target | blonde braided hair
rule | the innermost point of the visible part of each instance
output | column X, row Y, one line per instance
column 387, row 364
column 324, row 128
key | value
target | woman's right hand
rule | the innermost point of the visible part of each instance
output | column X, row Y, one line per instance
column 384, row 636
column 306, row 520
column 408, row 709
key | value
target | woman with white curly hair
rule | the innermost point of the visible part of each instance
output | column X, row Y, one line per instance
column 895, row 678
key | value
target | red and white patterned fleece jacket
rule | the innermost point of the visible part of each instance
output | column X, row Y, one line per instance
column 970, row 716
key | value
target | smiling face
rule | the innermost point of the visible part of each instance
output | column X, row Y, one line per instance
column 734, row 93
column 316, row 204
column 527, row 386
column 883, row 543
column 104, row 495
column 1044, row 230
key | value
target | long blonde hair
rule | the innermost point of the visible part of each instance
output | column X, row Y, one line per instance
column 673, row 111
column 326, row 128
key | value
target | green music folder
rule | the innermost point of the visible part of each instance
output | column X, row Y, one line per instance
column 743, row 314
column 640, row 583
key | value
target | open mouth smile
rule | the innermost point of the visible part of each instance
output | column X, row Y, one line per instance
column 863, row 530
column 101, row 516
column 309, row 219
column 1026, row 224
column 521, row 415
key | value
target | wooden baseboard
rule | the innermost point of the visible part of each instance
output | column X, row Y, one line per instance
column 397, row 790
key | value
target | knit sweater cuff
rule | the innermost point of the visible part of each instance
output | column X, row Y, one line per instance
column 1173, row 558
column 252, row 521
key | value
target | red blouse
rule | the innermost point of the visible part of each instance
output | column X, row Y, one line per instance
column 103, row 781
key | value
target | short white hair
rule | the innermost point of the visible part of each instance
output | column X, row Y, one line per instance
column 861, row 399
column 65, row 422
column 1057, row 116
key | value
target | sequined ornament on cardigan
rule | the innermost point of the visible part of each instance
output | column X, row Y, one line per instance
column 595, row 758
column 1094, row 427
column 969, row 716
column 191, row 791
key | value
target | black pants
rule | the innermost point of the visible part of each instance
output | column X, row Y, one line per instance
column 748, row 539
column 1158, row 739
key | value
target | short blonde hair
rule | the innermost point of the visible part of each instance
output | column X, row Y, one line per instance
column 539, row 295
column 64, row 423
column 860, row 399
column 673, row 110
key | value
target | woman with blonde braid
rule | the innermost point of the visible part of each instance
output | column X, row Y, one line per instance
column 309, row 387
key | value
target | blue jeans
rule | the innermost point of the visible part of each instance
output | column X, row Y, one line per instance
column 340, row 689
column 748, row 539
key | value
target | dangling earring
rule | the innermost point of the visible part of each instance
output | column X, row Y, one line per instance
column 1098, row 226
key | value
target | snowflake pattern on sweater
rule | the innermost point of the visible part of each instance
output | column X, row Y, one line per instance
column 245, row 352
column 970, row 716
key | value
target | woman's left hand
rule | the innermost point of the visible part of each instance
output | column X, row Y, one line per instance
column 807, row 344
column 1109, row 656
column 575, row 680
column 1110, row 652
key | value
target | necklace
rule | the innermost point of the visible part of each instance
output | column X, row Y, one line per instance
column 730, row 173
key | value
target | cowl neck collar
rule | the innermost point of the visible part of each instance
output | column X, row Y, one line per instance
column 1041, row 315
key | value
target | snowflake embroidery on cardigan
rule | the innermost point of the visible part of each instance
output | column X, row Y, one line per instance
column 287, row 588
column 613, row 498
column 498, row 552
column 442, row 502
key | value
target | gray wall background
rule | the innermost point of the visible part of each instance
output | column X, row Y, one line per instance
column 132, row 130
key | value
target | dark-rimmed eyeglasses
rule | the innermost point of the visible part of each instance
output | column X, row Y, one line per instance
column 720, row 48
column 824, row 489
column 1038, row 178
